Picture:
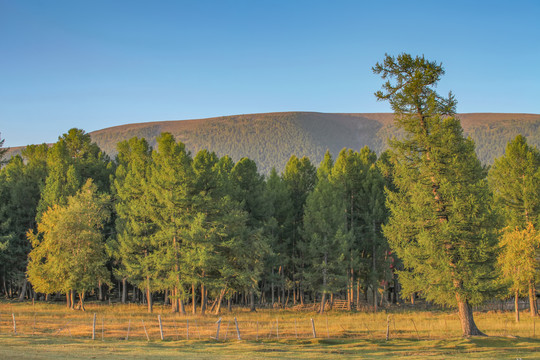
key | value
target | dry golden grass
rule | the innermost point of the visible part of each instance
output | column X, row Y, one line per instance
column 114, row 321
column 47, row 331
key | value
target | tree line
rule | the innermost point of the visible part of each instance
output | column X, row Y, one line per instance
column 199, row 229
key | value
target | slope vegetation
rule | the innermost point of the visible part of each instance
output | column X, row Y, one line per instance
column 270, row 139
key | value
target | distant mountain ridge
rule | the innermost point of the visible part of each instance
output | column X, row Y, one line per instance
column 271, row 138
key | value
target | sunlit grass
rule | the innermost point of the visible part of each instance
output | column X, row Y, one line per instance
column 348, row 334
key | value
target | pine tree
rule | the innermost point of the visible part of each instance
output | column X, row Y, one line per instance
column 441, row 223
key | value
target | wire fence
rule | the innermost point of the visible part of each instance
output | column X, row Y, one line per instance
column 276, row 325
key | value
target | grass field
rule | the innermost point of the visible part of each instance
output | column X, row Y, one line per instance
column 46, row 331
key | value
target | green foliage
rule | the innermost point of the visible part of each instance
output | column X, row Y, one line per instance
column 68, row 249
column 134, row 227
column 518, row 258
column 71, row 161
column 326, row 235
column 441, row 223
column 515, row 180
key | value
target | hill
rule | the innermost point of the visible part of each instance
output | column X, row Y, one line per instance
column 270, row 139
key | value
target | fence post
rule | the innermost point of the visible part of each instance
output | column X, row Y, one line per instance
column 237, row 330
column 160, row 327
column 145, row 332
column 313, row 328
column 94, row 328
column 218, row 326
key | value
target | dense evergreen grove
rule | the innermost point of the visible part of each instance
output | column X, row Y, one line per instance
column 197, row 230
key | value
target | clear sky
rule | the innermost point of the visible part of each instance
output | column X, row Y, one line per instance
column 96, row 64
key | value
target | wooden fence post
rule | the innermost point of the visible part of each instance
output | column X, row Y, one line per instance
column 218, row 326
column 313, row 328
column 160, row 326
column 237, row 330
column 145, row 332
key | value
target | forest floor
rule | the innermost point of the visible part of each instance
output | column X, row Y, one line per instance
column 48, row 330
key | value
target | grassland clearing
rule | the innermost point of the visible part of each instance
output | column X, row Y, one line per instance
column 46, row 330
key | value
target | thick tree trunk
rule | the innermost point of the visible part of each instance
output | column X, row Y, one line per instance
column 68, row 300
column 252, row 301
column 182, row 307
column 23, row 290
column 532, row 298
column 468, row 326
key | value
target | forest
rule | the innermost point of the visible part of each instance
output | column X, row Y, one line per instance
column 200, row 231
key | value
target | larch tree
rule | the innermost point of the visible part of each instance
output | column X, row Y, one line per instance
column 300, row 177
column 515, row 180
column 441, row 221
column 171, row 209
column 134, row 228
column 68, row 252
column 327, row 238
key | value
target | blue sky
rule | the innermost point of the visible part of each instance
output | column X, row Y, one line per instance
column 96, row 64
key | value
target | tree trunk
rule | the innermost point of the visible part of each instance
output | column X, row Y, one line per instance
column 72, row 299
column 516, row 305
column 23, row 290
column 220, row 299
column 124, row 290
column 203, row 299
column 468, row 325
column 148, row 294
column 81, row 301
column 100, row 291
column 182, row 307
column 272, row 287
column 252, row 301
column 193, row 299
column 374, row 298
column 68, row 300
column 532, row 298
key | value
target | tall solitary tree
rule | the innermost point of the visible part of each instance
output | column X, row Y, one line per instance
column 441, row 222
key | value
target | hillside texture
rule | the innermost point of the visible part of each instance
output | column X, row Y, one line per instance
column 270, row 139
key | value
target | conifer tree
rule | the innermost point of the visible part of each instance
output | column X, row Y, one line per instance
column 170, row 199
column 441, row 223
column 300, row 177
column 327, row 238
column 68, row 252
column 134, row 227
column 515, row 180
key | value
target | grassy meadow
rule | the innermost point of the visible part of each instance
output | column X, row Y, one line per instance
column 45, row 330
